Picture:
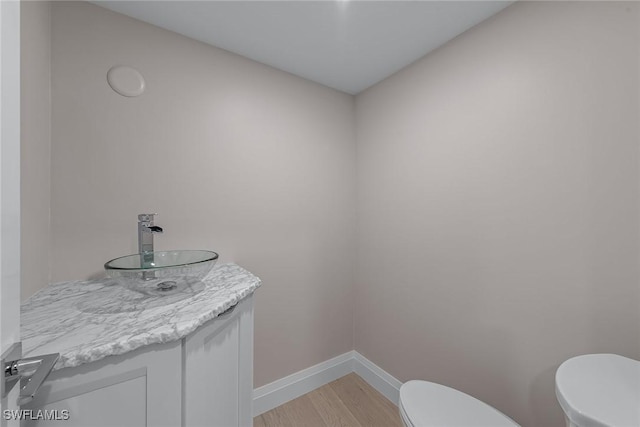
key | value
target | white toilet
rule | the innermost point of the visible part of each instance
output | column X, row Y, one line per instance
column 426, row 404
column 599, row 390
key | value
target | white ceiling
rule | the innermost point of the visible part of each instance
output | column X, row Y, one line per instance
column 346, row 45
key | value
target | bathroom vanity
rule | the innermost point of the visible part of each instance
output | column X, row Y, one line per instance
column 130, row 360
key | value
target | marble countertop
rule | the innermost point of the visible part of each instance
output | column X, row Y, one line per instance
column 86, row 321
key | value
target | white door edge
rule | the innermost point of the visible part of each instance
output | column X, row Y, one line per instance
column 9, row 186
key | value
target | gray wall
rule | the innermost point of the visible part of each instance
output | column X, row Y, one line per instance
column 498, row 205
column 35, row 129
column 235, row 156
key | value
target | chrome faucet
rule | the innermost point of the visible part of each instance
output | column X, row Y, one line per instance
column 146, row 230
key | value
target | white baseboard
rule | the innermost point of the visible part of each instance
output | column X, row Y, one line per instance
column 295, row 385
column 378, row 378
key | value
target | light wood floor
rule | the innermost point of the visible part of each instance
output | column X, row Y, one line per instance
column 346, row 402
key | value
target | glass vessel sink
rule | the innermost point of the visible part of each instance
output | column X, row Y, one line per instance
column 162, row 273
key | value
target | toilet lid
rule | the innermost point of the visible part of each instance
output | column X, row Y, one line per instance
column 600, row 390
column 426, row 404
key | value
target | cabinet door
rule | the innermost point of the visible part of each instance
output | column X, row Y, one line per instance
column 121, row 404
column 211, row 378
column 139, row 389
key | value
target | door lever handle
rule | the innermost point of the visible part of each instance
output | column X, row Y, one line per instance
column 31, row 371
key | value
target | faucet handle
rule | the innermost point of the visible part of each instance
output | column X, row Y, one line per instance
column 146, row 217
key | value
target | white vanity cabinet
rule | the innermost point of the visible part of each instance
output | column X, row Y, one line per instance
column 205, row 379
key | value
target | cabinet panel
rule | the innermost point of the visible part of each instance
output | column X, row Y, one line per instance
column 123, row 404
column 245, row 360
column 141, row 388
column 211, row 374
